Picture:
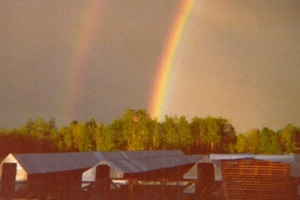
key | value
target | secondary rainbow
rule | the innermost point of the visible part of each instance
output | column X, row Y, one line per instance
column 176, row 32
column 87, row 23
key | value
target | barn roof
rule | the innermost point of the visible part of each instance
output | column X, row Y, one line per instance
column 54, row 162
column 137, row 165
column 35, row 163
column 132, row 163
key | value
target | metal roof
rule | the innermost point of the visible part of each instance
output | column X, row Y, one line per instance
column 35, row 163
column 230, row 156
column 54, row 162
column 137, row 165
column 119, row 155
column 143, row 161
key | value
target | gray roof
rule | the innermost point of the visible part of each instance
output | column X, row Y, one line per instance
column 120, row 155
column 137, row 165
column 126, row 160
column 54, row 162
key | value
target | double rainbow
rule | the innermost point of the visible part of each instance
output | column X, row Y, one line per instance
column 83, row 41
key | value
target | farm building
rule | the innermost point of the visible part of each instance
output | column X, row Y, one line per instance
column 133, row 173
column 130, row 174
column 55, row 173
column 45, row 173
column 145, row 165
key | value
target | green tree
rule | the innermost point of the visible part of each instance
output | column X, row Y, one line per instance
column 67, row 139
column 275, row 144
column 83, row 138
column 143, row 128
column 228, row 136
column 269, row 142
column 90, row 132
column 199, row 129
column 104, row 139
column 288, row 138
column 136, row 129
column 241, row 144
column 253, row 141
column 115, row 132
column 171, row 137
column 38, row 135
column 156, row 139
column 185, row 134
column 212, row 136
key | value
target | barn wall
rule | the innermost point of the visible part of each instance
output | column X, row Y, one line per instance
column 68, row 183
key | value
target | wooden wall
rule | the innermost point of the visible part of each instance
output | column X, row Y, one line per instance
column 256, row 179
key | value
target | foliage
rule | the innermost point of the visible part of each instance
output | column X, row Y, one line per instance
column 241, row 144
column 288, row 138
column 267, row 141
column 136, row 130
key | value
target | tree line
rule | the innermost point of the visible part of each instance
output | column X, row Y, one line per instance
column 136, row 130
column 267, row 141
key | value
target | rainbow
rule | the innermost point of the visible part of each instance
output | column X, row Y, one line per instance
column 89, row 17
column 158, row 92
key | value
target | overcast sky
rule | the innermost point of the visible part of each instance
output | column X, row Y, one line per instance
column 237, row 59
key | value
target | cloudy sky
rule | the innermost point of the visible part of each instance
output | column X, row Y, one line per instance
column 77, row 59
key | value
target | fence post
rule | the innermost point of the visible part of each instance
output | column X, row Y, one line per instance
column 206, row 179
column 102, row 181
column 9, row 171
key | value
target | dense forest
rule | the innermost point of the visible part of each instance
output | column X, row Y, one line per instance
column 136, row 130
